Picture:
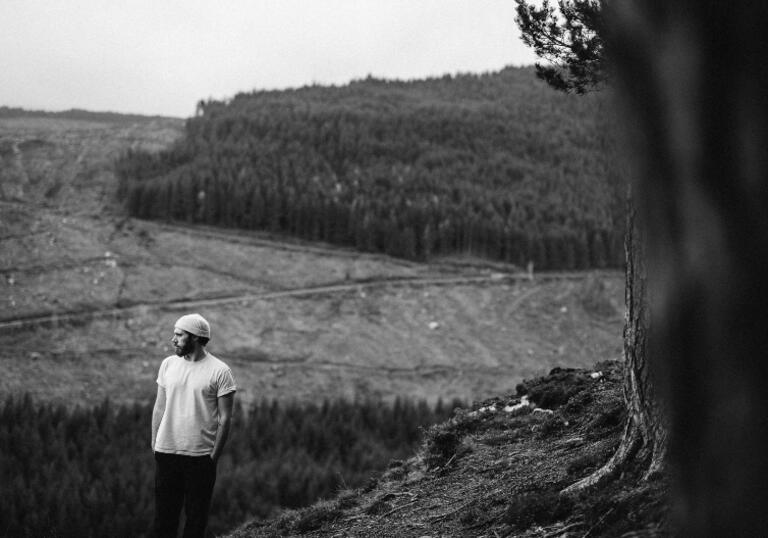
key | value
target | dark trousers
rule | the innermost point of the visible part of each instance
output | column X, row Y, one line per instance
column 182, row 481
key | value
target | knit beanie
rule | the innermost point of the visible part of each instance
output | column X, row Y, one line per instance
column 194, row 324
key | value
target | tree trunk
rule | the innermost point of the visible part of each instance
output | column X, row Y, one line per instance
column 694, row 76
column 643, row 406
column 644, row 434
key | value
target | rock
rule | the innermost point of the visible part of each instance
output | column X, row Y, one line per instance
column 524, row 404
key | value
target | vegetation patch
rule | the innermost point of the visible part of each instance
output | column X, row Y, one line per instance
column 551, row 426
column 442, row 446
column 578, row 403
column 554, row 390
column 612, row 416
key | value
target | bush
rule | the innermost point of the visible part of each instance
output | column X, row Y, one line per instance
column 441, row 446
column 554, row 390
column 610, row 417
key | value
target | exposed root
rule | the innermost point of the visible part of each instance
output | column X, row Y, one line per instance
column 658, row 461
column 630, row 442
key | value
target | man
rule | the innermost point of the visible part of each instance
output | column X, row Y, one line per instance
column 190, row 425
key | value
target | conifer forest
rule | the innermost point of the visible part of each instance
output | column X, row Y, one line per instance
column 496, row 165
column 89, row 472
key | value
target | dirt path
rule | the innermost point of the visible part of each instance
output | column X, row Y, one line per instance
column 134, row 309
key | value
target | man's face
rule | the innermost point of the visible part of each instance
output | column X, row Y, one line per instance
column 182, row 342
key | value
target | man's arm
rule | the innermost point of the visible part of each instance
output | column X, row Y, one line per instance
column 157, row 413
column 226, row 403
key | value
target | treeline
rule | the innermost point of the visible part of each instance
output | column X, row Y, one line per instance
column 495, row 165
column 76, row 114
column 90, row 472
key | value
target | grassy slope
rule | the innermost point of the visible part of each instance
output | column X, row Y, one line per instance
column 489, row 472
column 66, row 248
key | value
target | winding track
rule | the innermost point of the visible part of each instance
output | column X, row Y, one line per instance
column 122, row 312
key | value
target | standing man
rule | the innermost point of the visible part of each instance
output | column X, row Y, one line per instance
column 190, row 425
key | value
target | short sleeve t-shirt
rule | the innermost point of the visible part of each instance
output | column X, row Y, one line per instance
column 191, row 416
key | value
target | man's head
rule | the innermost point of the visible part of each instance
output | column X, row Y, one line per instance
column 188, row 330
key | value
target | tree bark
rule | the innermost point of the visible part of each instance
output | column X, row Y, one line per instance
column 643, row 406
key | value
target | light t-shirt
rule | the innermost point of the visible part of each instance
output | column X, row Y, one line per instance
column 191, row 416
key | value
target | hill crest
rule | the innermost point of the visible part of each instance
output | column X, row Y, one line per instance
column 498, row 469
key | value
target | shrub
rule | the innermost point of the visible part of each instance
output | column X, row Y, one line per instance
column 556, row 389
column 441, row 446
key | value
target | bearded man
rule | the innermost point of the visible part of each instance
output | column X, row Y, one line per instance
column 190, row 425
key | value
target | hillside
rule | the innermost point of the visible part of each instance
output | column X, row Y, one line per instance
column 497, row 469
column 88, row 295
column 497, row 165
column 292, row 321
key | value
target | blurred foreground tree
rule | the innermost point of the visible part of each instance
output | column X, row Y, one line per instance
column 692, row 77
column 572, row 37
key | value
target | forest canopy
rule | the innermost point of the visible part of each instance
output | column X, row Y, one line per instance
column 496, row 165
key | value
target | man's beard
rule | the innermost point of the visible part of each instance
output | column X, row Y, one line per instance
column 188, row 348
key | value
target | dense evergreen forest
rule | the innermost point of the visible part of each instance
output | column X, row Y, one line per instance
column 90, row 472
column 495, row 165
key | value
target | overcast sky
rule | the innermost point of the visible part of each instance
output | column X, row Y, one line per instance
column 163, row 56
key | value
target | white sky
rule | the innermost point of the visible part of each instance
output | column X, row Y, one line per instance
column 163, row 56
